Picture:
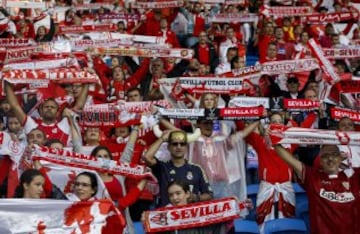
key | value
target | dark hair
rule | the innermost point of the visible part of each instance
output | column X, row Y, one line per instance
column 49, row 142
column 98, row 148
column 26, row 178
column 185, row 186
column 93, row 180
column 132, row 90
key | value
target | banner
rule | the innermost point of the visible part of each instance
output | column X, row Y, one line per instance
column 80, row 45
column 59, row 216
column 19, row 54
column 192, row 215
column 119, row 16
column 331, row 76
column 238, row 113
column 281, row 134
column 146, row 52
column 72, row 159
column 337, row 113
column 141, row 107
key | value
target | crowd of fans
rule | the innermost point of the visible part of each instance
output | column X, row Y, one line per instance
column 189, row 166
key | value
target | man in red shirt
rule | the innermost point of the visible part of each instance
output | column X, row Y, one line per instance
column 333, row 194
column 48, row 123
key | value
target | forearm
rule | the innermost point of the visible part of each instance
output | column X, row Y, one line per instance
column 150, row 154
column 289, row 159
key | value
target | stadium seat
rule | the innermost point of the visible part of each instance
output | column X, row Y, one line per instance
column 302, row 212
column 285, row 226
column 245, row 226
column 300, row 194
column 252, row 191
column 139, row 229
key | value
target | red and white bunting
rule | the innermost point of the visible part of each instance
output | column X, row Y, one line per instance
column 59, row 216
column 72, row 159
column 234, row 18
column 146, row 52
column 325, row 64
column 157, row 4
column 281, row 134
column 87, row 28
column 192, row 215
column 281, row 11
column 337, row 113
column 333, row 17
column 342, row 53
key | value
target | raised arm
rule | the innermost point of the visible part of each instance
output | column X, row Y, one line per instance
column 149, row 156
column 130, row 145
column 246, row 131
column 289, row 159
column 14, row 103
column 81, row 100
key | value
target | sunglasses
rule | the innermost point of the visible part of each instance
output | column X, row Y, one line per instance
column 292, row 81
column 178, row 143
column 77, row 184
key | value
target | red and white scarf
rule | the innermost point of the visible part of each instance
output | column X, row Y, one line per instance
column 60, row 75
column 72, row 159
column 237, row 113
column 281, row 134
column 337, row 113
column 234, row 18
column 87, row 28
column 193, row 215
column 16, row 42
column 342, row 53
column 157, row 4
column 330, row 17
column 27, row 4
column 325, row 64
column 213, row 84
column 59, row 216
column 285, row 10
column 147, row 52
column 344, row 87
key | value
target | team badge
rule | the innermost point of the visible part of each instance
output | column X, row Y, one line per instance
column 346, row 185
column 172, row 172
column 189, row 175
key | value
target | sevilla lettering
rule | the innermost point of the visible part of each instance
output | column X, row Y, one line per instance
column 195, row 212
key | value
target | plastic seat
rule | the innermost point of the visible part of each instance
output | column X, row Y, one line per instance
column 285, row 226
column 245, row 226
column 302, row 212
column 139, row 229
column 300, row 194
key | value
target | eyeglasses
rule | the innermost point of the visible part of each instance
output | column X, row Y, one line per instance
column 77, row 184
column 178, row 143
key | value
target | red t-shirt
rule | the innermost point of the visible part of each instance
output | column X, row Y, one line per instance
column 332, row 201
